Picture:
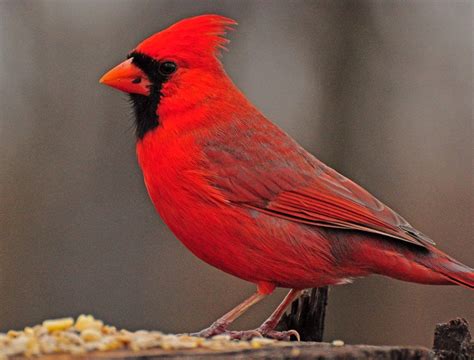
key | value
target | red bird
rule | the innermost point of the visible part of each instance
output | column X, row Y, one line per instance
column 243, row 196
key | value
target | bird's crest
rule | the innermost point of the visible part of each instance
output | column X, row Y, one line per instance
column 194, row 38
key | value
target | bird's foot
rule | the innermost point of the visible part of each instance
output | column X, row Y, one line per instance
column 242, row 334
column 217, row 328
column 263, row 331
column 257, row 333
column 220, row 330
column 267, row 329
column 279, row 335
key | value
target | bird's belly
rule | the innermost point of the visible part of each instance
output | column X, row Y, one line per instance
column 251, row 245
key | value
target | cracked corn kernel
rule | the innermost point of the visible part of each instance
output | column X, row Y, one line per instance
column 107, row 329
column 58, row 324
column 258, row 342
column 29, row 331
column 262, row 341
column 13, row 333
column 337, row 343
column 221, row 337
column 90, row 334
column 87, row 322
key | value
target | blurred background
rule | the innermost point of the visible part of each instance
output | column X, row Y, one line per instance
column 380, row 90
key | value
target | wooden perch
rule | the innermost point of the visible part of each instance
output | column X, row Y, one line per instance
column 293, row 350
column 452, row 342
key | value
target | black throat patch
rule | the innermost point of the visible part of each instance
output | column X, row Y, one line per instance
column 145, row 107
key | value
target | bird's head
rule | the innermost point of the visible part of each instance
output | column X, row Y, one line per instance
column 174, row 69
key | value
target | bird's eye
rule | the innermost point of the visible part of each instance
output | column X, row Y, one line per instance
column 167, row 68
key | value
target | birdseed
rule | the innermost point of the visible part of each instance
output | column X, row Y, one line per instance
column 86, row 334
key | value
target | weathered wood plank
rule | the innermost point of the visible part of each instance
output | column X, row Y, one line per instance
column 308, row 350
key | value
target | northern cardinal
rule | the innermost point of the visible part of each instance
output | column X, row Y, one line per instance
column 243, row 196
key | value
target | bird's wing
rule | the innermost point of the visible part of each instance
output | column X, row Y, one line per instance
column 294, row 185
column 332, row 200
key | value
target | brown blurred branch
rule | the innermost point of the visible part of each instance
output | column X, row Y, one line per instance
column 452, row 340
column 307, row 315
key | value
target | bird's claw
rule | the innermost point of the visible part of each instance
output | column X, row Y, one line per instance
column 247, row 334
column 281, row 335
column 231, row 334
column 244, row 334
column 213, row 330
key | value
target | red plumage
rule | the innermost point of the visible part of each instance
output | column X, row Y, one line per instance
column 246, row 198
column 191, row 40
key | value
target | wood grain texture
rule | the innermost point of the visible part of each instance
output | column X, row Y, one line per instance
column 295, row 350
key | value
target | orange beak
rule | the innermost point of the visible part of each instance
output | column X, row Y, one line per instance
column 128, row 78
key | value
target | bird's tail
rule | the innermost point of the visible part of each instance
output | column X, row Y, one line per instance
column 454, row 271
column 421, row 265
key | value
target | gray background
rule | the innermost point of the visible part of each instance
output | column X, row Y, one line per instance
column 380, row 90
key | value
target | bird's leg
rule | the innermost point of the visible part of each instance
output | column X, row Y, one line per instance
column 267, row 329
column 220, row 325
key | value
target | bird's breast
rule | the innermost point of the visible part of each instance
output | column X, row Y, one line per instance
column 167, row 164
